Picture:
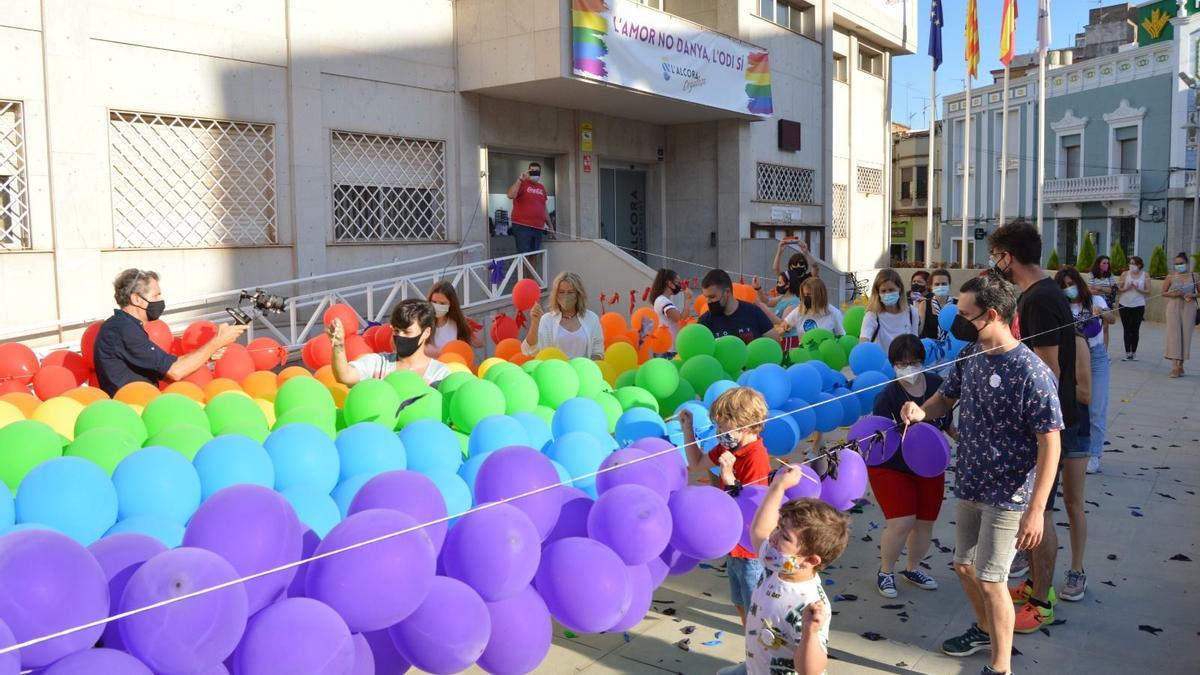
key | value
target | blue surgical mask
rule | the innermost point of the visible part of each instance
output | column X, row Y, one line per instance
column 941, row 291
column 890, row 299
column 728, row 440
column 1181, row 267
column 1072, row 292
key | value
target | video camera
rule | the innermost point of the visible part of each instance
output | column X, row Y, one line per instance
column 260, row 301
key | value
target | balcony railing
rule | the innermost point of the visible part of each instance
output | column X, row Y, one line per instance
column 1113, row 187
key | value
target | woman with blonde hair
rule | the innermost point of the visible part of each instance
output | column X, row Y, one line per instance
column 889, row 315
column 452, row 324
column 813, row 312
column 568, row 324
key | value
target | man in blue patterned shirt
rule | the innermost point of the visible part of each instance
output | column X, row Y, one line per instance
column 1008, row 448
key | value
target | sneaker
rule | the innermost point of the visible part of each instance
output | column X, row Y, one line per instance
column 1020, row 593
column 1075, row 587
column 919, row 579
column 1020, row 565
column 1128, row 357
column 1093, row 465
column 988, row 670
column 1031, row 617
column 886, row 583
column 968, row 643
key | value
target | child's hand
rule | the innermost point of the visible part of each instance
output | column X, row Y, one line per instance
column 813, row 618
column 788, row 477
column 685, row 419
column 726, row 462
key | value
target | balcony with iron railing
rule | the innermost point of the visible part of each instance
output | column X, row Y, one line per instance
column 1112, row 187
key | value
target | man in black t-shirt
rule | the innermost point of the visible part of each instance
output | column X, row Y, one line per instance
column 727, row 315
column 1047, row 327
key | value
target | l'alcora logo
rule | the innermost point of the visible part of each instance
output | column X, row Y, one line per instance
column 1156, row 22
column 691, row 75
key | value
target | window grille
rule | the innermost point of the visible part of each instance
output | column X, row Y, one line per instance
column 14, row 185
column 191, row 182
column 870, row 180
column 785, row 184
column 841, row 215
column 387, row 188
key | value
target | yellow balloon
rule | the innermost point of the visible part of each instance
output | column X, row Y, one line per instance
column 268, row 409
column 487, row 363
column 456, row 367
column 622, row 356
column 59, row 414
column 340, row 392
column 138, row 408
column 551, row 353
column 608, row 371
column 9, row 413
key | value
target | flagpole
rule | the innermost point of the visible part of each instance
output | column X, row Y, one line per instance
column 929, row 170
column 1041, row 149
column 966, row 200
column 1003, row 150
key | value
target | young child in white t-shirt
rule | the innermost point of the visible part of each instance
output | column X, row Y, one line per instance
column 813, row 311
column 787, row 626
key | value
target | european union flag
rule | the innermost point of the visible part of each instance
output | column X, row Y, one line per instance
column 935, row 32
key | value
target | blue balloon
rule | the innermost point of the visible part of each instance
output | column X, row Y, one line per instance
column 430, row 445
column 829, row 412
column 869, row 385
column 230, row 460
column 932, row 351
column 744, row 379
column 803, row 415
column 772, row 381
column 8, row 512
column 955, row 347
column 867, row 356
column 637, row 423
column 716, row 389
column 851, row 405
column 839, row 380
column 69, row 494
column 455, row 491
column 578, row 414
column 470, row 469
column 564, row 476
column 344, row 493
column 303, row 455
column 168, row 532
column 157, row 481
column 536, row 427
column 371, row 448
column 946, row 317
column 806, row 381
column 826, row 373
column 700, row 417
column 780, row 434
column 314, row 508
column 495, row 432
column 579, row 453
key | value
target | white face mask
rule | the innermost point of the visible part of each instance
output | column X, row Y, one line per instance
column 1135, row 269
column 440, row 309
column 908, row 374
column 942, row 291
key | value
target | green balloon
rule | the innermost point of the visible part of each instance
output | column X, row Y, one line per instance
column 185, row 439
column 105, row 447
column 464, row 442
column 612, row 408
column 852, row 320
column 631, row 397
column 495, row 370
column 249, row 429
column 231, row 408
column 815, row 337
column 848, row 343
column 405, row 382
column 832, row 354
column 799, row 355
column 694, row 339
column 309, row 415
column 114, row 415
column 372, row 401
column 627, row 378
column 475, row 401
column 520, row 392
column 171, row 410
column 452, row 382
column 531, row 365
column 557, row 382
column 701, row 371
column 763, row 350
column 545, row 413
column 658, row 377
column 591, row 380
column 304, row 392
column 682, row 394
column 26, row 443
column 339, row 421
column 431, row 406
column 732, row 353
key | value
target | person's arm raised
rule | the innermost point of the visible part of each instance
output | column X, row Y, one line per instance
column 189, row 363
column 515, row 188
column 343, row 372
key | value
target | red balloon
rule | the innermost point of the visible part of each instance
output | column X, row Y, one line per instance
column 87, row 344
column 266, row 352
column 200, row 377
column 177, row 346
column 50, row 381
column 344, row 312
column 503, row 327
column 381, row 340
column 11, row 387
column 160, row 334
column 197, row 334
column 525, row 294
column 70, row 360
column 18, row 363
column 356, row 346
column 236, row 363
column 317, row 352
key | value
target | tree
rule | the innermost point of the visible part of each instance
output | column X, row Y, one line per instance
column 1052, row 263
column 1117, row 258
column 1196, row 262
column 1158, row 263
column 1087, row 253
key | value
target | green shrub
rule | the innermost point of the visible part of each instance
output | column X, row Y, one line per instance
column 1117, row 258
column 1087, row 254
column 1158, row 263
column 1052, row 263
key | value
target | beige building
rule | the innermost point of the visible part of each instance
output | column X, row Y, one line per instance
column 228, row 144
column 910, row 194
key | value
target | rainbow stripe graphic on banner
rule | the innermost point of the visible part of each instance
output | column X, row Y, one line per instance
column 758, row 84
column 588, row 28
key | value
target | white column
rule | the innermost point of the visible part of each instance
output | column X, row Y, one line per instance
column 1003, row 151
column 929, row 170
column 966, row 200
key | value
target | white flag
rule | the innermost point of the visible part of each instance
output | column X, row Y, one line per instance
column 1043, row 26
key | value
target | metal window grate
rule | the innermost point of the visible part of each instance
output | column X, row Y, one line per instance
column 14, row 185
column 387, row 188
column 791, row 184
column 841, row 211
column 869, row 180
column 186, row 181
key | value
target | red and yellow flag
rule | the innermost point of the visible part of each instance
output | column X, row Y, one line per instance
column 1008, row 32
column 972, row 54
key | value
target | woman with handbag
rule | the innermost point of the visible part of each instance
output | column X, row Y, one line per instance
column 1180, row 290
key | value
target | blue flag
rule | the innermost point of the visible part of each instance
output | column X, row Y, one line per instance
column 935, row 32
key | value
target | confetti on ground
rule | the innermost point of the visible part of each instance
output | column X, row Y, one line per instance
column 570, row 635
column 845, row 597
column 626, row 636
column 898, row 606
column 873, row 637
column 1153, row 630
column 670, row 611
column 688, row 630
column 1112, row 556
column 711, row 643
column 685, row 644
column 1181, row 557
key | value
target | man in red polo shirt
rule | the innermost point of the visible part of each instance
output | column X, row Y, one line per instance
column 530, row 218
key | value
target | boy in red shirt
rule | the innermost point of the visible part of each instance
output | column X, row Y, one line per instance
column 738, row 415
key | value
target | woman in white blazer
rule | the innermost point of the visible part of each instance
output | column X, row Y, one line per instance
column 568, row 325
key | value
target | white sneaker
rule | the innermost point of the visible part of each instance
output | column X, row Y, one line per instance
column 1093, row 465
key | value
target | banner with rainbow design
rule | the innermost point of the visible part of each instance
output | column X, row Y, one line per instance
column 627, row 44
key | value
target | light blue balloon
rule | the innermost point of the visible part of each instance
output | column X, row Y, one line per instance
column 716, row 389
column 491, row 434
column 829, row 412
column 455, row 491
column 69, row 494
column 946, row 317
column 536, row 427
column 806, row 381
column 302, row 454
column 580, row 414
column 8, row 512
column 314, row 508
column 744, row 379
column 580, row 454
column 772, row 381
column 803, row 415
column 700, row 417
column 369, row 448
column 780, row 433
column 431, row 446
column 232, row 460
column 157, row 481
column 932, row 351
column 825, row 372
column 564, row 476
column 867, row 356
column 470, row 469
column 851, row 405
column 638, row 423
column 869, row 385
column 165, row 530
column 344, row 493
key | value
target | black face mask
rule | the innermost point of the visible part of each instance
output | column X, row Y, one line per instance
column 798, row 270
column 716, row 307
column 963, row 329
column 154, row 309
column 406, row 346
column 780, row 289
column 918, row 289
column 675, row 288
column 807, row 302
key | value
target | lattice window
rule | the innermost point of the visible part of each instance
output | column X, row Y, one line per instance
column 14, row 185
column 186, row 181
column 785, row 184
column 387, row 188
column 841, row 211
column 869, row 180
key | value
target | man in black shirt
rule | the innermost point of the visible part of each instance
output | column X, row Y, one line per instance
column 1047, row 327
column 727, row 315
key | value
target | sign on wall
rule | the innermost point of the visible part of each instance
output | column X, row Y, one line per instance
column 624, row 43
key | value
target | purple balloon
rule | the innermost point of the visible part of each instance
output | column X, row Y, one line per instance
column 658, row 571
column 632, row 520
column 119, row 556
column 255, row 529
column 409, row 492
column 98, row 662
column 572, row 519
column 495, row 551
column 387, row 659
column 707, row 522
column 676, row 562
column 10, row 663
column 875, row 451
column 517, row 470
column 642, row 584
column 588, row 607
column 364, row 659
column 49, row 582
column 378, row 584
column 521, row 632
column 808, row 487
column 926, row 450
column 851, row 482
column 672, row 463
column 309, row 542
column 748, row 502
column 621, row 468
column 296, row 635
column 448, row 632
column 189, row 635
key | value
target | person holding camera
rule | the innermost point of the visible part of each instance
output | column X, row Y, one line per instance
column 530, row 216
column 413, row 322
column 124, row 353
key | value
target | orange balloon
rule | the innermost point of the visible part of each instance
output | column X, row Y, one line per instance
column 344, row 312
column 293, row 371
column 660, row 340
column 461, row 349
column 452, row 357
column 641, row 317
column 188, row 389
column 610, row 340
column 745, row 293
column 644, row 353
column 137, row 393
column 25, row 401
column 324, row 375
column 339, row 392
column 613, row 323
column 261, row 384
column 219, row 385
column 88, row 395
column 507, row 348
column 521, row 358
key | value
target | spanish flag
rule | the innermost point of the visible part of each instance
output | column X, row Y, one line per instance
column 972, row 40
column 1008, row 32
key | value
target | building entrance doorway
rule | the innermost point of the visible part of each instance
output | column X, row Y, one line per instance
column 623, row 208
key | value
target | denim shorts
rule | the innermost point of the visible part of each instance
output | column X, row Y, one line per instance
column 986, row 537
column 1076, row 443
column 744, row 575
